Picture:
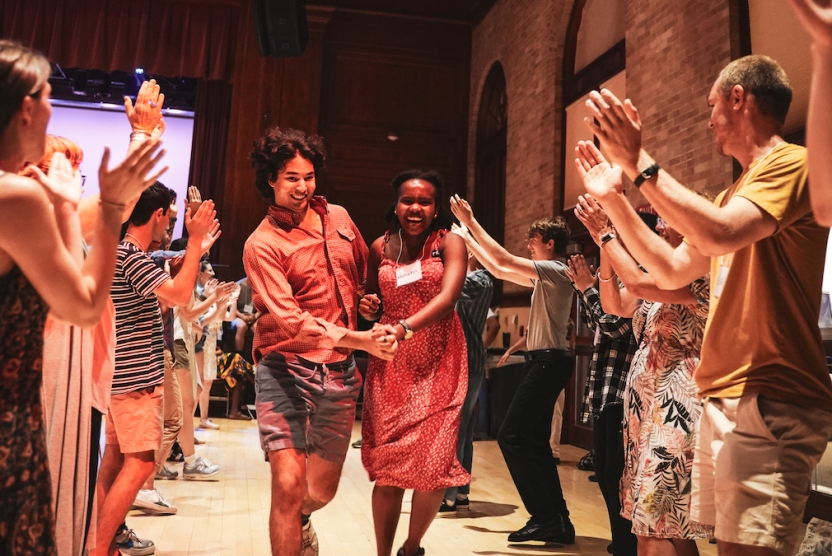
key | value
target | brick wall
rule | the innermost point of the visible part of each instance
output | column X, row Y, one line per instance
column 675, row 51
column 526, row 37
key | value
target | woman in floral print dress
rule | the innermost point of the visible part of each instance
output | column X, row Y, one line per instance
column 661, row 409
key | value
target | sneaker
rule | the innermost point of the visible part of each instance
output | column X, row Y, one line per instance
column 420, row 552
column 309, row 541
column 208, row 424
column 152, row 503
column 197, row 442
column 201, row 470
column 166, row 474
column 130, row 544
column 176, row 453
column 460, row 504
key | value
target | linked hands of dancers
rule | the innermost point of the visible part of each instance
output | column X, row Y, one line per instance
column 582, row 275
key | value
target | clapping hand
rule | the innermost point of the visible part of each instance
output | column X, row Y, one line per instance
column 462, row 210
column 816, row 19
column 590, row 213
column 617, row 125
column 127, row 180
column 581, row 274
column 146, row 116
column 62, row 184
column 600, row 178
column 203, row 225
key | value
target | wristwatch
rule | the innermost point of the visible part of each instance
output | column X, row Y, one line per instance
column 408, row 332
column 607, row 237
column 646, row 174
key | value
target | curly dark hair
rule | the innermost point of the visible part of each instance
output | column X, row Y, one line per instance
column 552, row 229
column 444, row 218
column 155, row 197
column 277, row 147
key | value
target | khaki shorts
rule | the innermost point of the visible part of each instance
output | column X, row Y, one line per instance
column 752, row 468
column 134, row 422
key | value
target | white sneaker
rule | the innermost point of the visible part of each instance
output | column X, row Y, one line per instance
column 208, row 424
column 201, row 470
column 152, row 503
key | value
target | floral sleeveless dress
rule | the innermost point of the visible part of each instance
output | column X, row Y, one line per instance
column 412, row 404
column 26, row 521
column 661, row 416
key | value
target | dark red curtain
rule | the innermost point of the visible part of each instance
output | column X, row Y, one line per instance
column 210, row 140
column 165, row 37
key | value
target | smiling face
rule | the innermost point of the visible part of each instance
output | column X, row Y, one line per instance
column 722, row 120
column 539, row 250
column 294, row 185
column 416, row 207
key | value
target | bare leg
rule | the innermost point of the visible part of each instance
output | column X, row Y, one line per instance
column 387, row 508
column 650, row 546
column 204, row 399
column 186, row 433
column 734, row 549
column 322, row 478
column 424, row 506
column 120, row 496
column 236, row 394
column 288, row 469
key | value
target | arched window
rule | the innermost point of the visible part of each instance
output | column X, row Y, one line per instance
column 490, row 169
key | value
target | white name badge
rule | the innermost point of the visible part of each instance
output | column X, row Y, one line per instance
column 248, row 308
column 408, row 274
column 721, row 275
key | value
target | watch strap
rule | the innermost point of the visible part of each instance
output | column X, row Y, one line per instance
column 646, row 174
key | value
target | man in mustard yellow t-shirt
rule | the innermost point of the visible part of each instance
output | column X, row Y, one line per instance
column 762, row 376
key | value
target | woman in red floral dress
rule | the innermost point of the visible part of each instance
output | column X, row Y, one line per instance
column 412, row 404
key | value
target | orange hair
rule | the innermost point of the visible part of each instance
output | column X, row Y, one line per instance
column 55, row 144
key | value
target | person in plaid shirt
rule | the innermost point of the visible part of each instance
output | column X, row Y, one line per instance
column 614, row 346
column 306, row 263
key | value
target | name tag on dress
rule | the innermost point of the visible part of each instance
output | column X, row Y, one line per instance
column 408, row 274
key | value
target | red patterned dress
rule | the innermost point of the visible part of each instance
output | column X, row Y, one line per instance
column 412, row 404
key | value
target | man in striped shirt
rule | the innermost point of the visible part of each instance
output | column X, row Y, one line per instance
column 134, row 422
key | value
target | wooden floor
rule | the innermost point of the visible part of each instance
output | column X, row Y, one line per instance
column 230, row 516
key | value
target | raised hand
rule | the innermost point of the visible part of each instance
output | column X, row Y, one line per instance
column 63, row 184
column 146, row 116
column 618, row 125
column 581, row 274
column 194, row 199
column 462, row 210
column 816, row 19
column 369, row 306
column 203, row 224
column 128, row 179
column 600, row 178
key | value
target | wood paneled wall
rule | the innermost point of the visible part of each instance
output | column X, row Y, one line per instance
column 362, row 76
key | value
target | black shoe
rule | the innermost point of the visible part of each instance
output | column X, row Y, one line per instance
column 546, row 531
column 463, row 505
column 357, row 443
column 176, row 453
column 565, row 538
column 446, row 508
column 420, row 552
column 587, row 463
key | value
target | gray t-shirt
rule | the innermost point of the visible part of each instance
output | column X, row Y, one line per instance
column 551, row 305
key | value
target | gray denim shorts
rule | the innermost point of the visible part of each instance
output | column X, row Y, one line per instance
column 306, row 406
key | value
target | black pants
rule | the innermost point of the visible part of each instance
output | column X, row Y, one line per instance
column 524, row 436
column 608, row 441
